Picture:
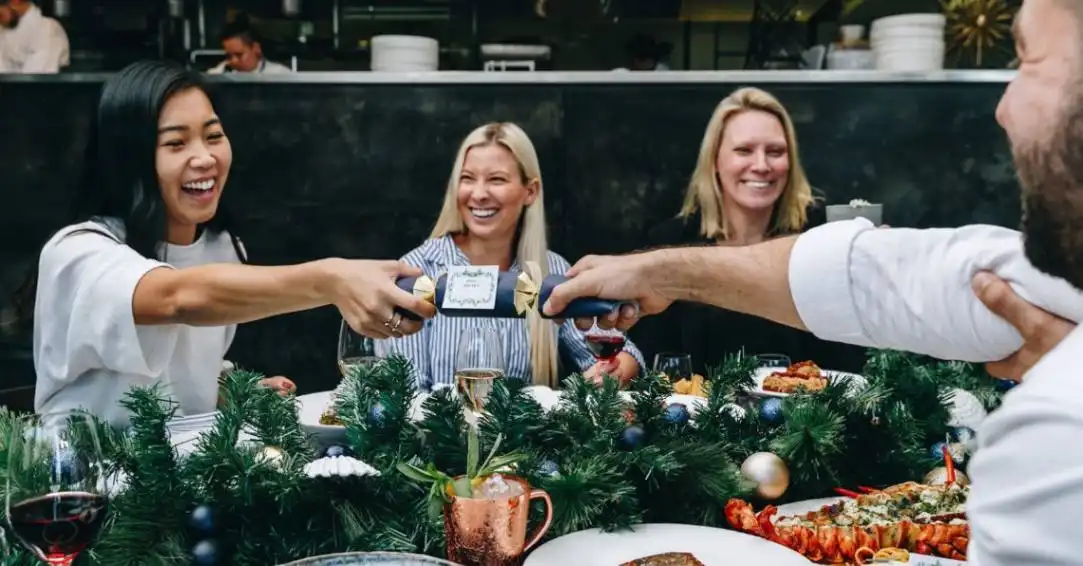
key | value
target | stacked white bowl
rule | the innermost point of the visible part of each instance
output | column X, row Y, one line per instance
column 405, row 53
column 909, row 42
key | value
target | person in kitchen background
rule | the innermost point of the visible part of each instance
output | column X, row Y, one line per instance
column 244, row 50
column 148, row 283
column 748, row 186
column 494, row 214
column 31, row 42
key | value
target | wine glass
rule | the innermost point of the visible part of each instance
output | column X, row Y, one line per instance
column 675, row 366
column 354, row 350
column 604, row 343
column 56, row 501
column 479, row 363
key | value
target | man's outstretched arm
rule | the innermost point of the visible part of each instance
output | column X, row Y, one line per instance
column 847, row 282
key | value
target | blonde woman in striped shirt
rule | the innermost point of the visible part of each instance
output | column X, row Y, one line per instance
column 494, row 214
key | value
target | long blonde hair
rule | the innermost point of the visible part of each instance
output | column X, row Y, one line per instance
column 705, row 191
column 533, row 243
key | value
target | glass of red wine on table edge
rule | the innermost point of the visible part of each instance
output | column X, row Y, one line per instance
column 56, row 502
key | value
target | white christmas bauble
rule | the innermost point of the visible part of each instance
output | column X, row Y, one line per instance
column 339, row 466
column 966, row 410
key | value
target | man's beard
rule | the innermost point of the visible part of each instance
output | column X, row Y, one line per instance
column 1051, row 173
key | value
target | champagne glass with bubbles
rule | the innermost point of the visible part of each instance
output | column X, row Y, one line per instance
column 354, row 350
column 479, row 363
column 56, row 495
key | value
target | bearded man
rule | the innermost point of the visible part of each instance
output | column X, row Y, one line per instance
column 951, row 293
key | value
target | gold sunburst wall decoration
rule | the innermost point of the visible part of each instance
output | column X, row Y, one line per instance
column 977, row 27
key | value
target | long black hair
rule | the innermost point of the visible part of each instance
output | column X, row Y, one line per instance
column 120, row 180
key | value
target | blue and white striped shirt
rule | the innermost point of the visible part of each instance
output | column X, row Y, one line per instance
column 433, row 349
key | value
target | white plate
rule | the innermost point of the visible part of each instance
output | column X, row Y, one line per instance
column 809, row 505
column 857, row 381
column 311, row 406
column 713, row 547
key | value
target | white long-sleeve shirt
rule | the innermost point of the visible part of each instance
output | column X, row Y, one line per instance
column 38, row 44
column 911, row 290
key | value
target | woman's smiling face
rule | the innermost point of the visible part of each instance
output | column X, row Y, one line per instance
column 492, row 192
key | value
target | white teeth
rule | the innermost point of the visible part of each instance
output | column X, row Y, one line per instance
column 758, row 184
column 483, row 212
column 199, row 185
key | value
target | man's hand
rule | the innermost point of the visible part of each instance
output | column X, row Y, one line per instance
column 628, row 277
column 1041, row 331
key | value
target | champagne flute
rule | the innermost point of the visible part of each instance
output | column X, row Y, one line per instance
column 354, row 350
column 675, row 366
column 479, row 362
column 56, row 502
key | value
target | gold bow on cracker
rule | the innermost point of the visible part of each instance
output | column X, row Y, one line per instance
column 527, row 287
column 425, row 289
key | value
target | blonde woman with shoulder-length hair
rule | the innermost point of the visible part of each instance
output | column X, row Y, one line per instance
column 747, row 186
column 494, row 214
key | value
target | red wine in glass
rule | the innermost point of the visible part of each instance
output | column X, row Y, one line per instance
column 605, row 347
column 56, row 527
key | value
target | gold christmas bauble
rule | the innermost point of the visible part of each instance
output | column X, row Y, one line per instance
column 272, row 455
column 939, row 476
column 768, row 472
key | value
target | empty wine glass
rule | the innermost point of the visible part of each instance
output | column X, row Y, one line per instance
column 479, row 363
column 674, row 365
column 354, row 350
column 56, row 501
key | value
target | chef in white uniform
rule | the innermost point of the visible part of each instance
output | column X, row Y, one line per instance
column 244, row 51
column 30, row 42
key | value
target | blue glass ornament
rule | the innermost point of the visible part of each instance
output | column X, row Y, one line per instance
column 632, row 437
column 202, row 519
column 937, row 451
column 771, row 410
column 336, row 450
column 205, row 553
column 1005, row 384
column 548, row 468
column 677, row 413
column 376, row 414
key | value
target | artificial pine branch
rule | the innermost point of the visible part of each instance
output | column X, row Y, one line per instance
column 443, row 429
column 512, row 414
column 811, row 441
column 148, row 517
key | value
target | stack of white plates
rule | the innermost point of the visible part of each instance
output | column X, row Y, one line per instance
column 405, row 53
column 909, row 42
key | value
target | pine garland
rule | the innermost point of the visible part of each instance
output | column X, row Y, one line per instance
column 268, row 511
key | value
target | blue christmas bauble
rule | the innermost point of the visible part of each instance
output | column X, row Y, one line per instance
column 771, row 410
column 632, row 437
column 964, row 435
column 1005, row 384
column 677, row 413
column 548, row 468
column 937, row 451
column 376, row 414
column 336, row 450
column 205, row 553
column 201, row 519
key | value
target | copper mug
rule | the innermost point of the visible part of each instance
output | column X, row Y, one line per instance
column 492, row 532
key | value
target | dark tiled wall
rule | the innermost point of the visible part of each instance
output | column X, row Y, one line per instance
column 359, row 170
